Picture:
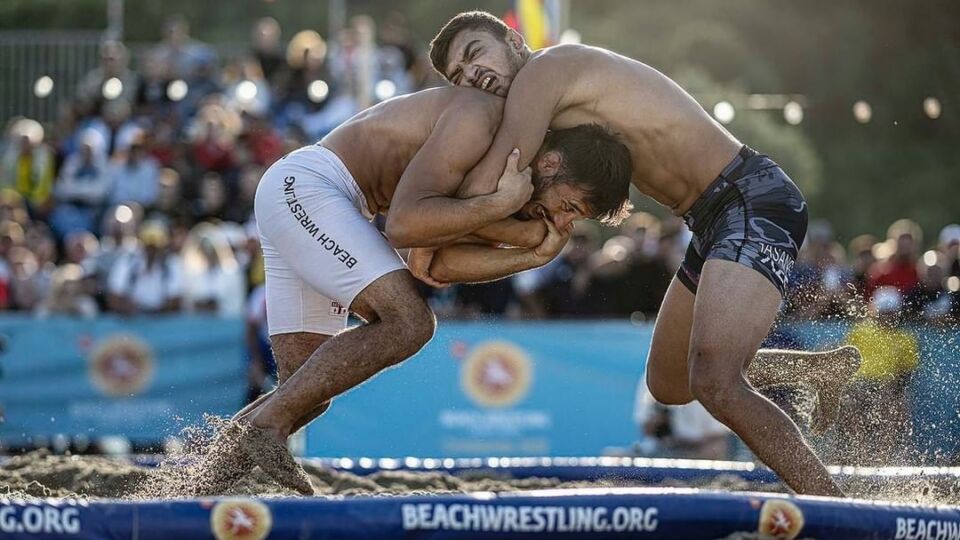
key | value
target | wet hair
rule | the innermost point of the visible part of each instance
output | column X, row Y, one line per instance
column 595, row 161
column 469, row 20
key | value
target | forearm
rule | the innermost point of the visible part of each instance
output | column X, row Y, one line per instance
column 513, row 232
column 439, row 220
column 475, row 263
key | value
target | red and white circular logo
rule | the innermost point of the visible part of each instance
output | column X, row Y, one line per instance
column 780, row 518
column 121, row 365
column 240, row 519
column 496, row 374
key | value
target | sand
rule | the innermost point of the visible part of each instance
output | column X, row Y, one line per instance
column 41, row 474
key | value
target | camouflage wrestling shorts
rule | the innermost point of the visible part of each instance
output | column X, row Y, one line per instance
column 752, row 214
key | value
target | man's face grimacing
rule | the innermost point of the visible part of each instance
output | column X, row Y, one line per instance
column 480, row 59
column 555, row 198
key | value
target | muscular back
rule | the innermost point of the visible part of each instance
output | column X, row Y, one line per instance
column 377, row 144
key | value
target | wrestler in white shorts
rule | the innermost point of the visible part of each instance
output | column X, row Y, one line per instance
column 320, row 248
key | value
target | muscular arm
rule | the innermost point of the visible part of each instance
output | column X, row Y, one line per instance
column 477, row 263
column 425, row 210
column 513, row 232
column 474, row 263
column 534, row 99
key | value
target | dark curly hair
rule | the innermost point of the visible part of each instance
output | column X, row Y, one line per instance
column 597, row 162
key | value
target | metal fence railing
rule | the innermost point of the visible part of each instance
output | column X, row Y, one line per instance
column 27, row 56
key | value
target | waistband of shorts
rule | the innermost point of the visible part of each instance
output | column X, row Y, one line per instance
column 717, row 192
column 351, row 182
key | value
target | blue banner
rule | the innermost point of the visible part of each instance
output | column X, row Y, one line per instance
column 674, row 514
column 143, row 378
column 565, row 389
column 505, row 388
column 478, row 389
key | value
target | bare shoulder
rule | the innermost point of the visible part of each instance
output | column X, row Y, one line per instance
column 475, row 107
column 564, row 58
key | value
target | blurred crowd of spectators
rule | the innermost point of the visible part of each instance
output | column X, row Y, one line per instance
column 139, row 198
column 831, row 281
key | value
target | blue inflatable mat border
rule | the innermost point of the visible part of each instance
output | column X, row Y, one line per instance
column 568, row 469
column 651, row 513
column 652, row 470
column 619, row 468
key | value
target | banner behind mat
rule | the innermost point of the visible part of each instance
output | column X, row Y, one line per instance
column 503, row 388
column 144, row 378
column 478, row 389
column 567, row 389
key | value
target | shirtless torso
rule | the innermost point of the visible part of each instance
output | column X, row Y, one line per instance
column 406, row 158
column 378, row 144
column 747, row 217
column 677, row 148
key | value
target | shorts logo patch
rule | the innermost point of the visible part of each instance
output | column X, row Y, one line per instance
column 337, row 309
column 300, row 214
column 779, row 260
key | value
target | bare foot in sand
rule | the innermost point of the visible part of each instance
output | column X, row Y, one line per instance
column 225, row 462
column 831, row 382
column 273, row 457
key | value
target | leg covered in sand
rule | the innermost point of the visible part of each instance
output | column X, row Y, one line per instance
column 291, row 350
column 828, row 373
column 718, row 349
column 399, row 324
column 228, row 455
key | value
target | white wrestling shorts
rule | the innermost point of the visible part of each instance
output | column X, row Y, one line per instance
column 320, row 248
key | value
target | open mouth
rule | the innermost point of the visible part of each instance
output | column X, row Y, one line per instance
column 486, row 82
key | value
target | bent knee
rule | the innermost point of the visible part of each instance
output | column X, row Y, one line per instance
column 668, row 392
column 718, row 392
column 415, row 324
column 421, row 324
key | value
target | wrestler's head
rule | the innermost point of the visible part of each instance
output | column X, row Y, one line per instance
column 580, row 173
column 477, row 49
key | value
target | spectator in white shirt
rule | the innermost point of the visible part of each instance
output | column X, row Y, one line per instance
column 67, row 295
column 149, row 279
column 214, row 280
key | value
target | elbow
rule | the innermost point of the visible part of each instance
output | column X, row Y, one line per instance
column 534, row 236
column 401, row 234
column 397, row 234
column 440, row 271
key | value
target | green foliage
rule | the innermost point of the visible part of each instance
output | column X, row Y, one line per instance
column 53, row 14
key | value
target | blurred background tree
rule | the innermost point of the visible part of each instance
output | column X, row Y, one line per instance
column 860, row 176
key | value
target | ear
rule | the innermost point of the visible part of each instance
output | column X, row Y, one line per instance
column 515, row 41
column 550, row 163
